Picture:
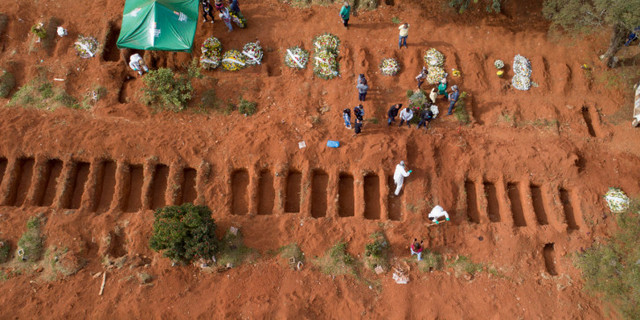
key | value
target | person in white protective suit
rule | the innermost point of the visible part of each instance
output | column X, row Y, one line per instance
column 436, row 213
column 399, row 175
column 137, row 64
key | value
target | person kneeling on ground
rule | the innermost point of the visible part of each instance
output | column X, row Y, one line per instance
column 393, row 113
column 406, row 115
column 425, row 118
column 436, row 213
column 416, row 248
column 137, row 64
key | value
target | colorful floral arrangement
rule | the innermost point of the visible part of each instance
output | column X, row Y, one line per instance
column 389, row 67
column 435, row 75
column 211, row 53
column 86, row 47
column 253, row 53
column 617, row 200
column 522, row 68
column 434, row 58
column 238, row 19
column 326, row 41
column 325, row 65
column 499, row 64
column 233, row 60
column 417, row 102
column 212, row 44
column 296, row 58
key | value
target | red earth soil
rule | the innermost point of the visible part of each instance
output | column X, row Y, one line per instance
column 523, row 182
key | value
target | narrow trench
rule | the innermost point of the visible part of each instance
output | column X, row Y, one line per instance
column 239, row 197
column 52, row 172
column 472, row 202
column 111, row 51
column 394, row 203
column 294, row 184
column 587, row 119
column 538, row 205
column 189, row 193
column 493, row 207
column 372, row 197
column 345, row 195
column 319, row 182
column 516, row 205
column 134, row 197
column 266, row 193
column 105, row 186
column 24, row 173
column 569, row 212
column 159, row 186
column 550, row 259
column 78, row 179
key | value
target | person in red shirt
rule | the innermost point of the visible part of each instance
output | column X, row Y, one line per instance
column 416, row 248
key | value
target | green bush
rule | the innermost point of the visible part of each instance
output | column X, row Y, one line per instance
column 184, row 232
column 463, row 5
column 247, row 107
column 336, row 261
column 376, row 252
column 39, row 30
column 31, row 242
column 165, row 91
column 460, row 110
column 5, row 250
column 7, row 83
column 612, row 268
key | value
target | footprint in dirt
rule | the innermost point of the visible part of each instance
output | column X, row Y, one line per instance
column 348, row 60
column 363, row 62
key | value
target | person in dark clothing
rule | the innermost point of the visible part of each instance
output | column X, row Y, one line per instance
column 234, row 7
column 207, row 10
column 362, row 91
column 357, row 126
column 219, row 5
column 393, row 113
column 361, row 79
column 358, row 111
column 425, row 118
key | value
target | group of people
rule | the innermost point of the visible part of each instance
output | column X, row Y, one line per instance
column 225, row 14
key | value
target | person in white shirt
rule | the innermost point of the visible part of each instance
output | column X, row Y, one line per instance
column 436, row 213
column 137, row 64
column 399, row 175
column 404, row 33
column 406, row 115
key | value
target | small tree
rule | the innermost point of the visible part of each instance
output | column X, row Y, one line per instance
column 184, row 232
column 583, row 15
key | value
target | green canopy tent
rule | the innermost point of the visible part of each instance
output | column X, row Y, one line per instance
column 168, row 25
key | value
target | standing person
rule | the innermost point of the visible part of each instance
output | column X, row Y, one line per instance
column 361, row 79
column 362, row 91
column 416, row 248
column 393, row 113
column 442, row 87
column 453, row 98
column 207, row 10
column 344, row 14
column 346, row 115
column 224, row 15
column 357, row 126
column 433, row 95
column 219, row 5
column 399, row 175
column 404, row 33
column 436, row 213
column 425, row 118
column 235, row 8
column 358, row 112
column 422, row 76
column 406, row 115
column 137, row 64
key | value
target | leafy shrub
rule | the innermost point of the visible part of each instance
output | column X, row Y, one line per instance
column 417, row 101
column 30, row 244
column 460, row 110
column 612, row 268
column 7, row 83
column 165, row 91
column 463, row 5
column 39, row 30
column 376, row 252
column 336, row 261
column 395, row 20
column 247, row 107
column 184, row 232
column 5, row 250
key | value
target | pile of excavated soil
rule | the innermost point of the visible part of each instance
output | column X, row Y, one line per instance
column 522, row 182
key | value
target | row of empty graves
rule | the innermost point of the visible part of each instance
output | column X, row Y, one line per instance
column 314, row 193
column 97, row 186
column 521, row 204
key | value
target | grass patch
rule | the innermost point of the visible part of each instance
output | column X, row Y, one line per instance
column 463, row 264
column 39, row 93
column 373, row 120
column 209, row 101
column 336, row 261
column 460, row 110
column 5, row 250
column 247, row 107
column 612, row 268
column 396, row 20
column 431, row 261
column 7, row 83
column 291, row 254
column 92, row 97
column 233, row 251
column 31, row 243
column 376, row 253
